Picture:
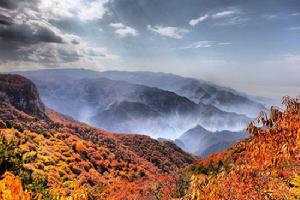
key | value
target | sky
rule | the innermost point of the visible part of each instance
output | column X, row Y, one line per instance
column 249, row 45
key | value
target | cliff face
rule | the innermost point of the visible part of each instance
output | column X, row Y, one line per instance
column 22, row 94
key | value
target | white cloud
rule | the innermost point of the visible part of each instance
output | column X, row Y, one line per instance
column 204, row 44
column 123, row 31
column 230, row 16
column 194, row 22
column 226, row 13
column 200, row 44
column 57, row 9
column 92, row 10
column 294, row 28
column 84, row 10
column 117, row 25
column 169, row 31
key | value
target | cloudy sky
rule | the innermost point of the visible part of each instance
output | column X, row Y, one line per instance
column 250, row 45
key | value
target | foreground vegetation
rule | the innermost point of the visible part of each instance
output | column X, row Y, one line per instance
column 265, row 166
column 53, row 161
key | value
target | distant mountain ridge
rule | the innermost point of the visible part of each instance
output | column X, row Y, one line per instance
column 224, row 98
column 120, row 106
column 197, row 91
column 203, row 142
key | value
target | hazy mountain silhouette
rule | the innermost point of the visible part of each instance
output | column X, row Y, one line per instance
column 120, row 106
column 195, row 90
column 203, row 142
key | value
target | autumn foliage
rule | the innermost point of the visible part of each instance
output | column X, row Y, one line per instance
column 56, row 157
column 79, row 146
column 11, row 188
column 265, row 166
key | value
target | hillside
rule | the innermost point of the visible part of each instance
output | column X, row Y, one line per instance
column 160, row 153
column 265, row 166
column 57, row 157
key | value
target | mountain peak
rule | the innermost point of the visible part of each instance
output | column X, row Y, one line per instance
column 199, row 128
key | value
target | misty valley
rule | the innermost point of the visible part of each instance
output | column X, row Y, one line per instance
column 200, row 117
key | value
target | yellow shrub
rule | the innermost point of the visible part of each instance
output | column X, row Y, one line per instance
column 11, row 188
column 295, row 183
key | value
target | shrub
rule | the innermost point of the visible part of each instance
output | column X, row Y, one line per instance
column 79, row 147
column 182, row 184
column 295, row 184
column 11, row 188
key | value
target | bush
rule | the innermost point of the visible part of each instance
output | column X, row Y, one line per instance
column 11, row 188
column 10, row 159
column 182, row 184
column 79, row 147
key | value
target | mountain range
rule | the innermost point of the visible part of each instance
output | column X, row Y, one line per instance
column 196, row 90
column 156, row 104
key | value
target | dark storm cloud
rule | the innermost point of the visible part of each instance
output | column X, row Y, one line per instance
column 9, row 4
column 17, row 35
column 5, row 20
column 19, row 43
column 48, row 32
column 28, row 34
column 14, row 4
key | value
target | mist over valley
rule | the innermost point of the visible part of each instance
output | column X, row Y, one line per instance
column 156, row 104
